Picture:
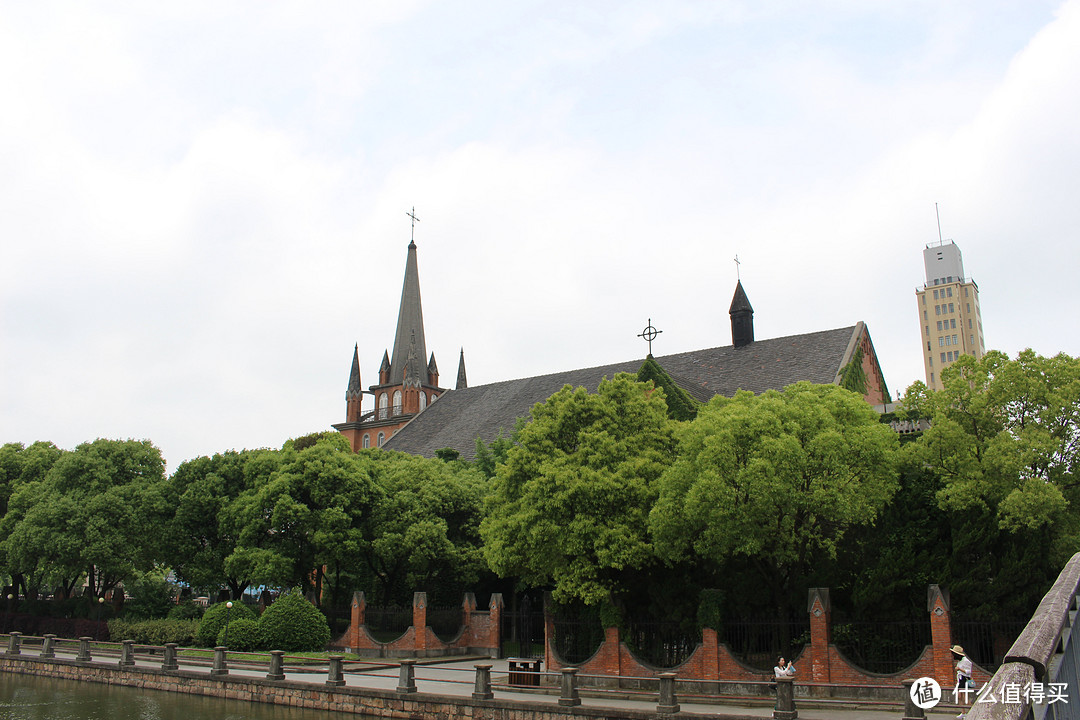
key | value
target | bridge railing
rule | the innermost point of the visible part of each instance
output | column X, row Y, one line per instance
column 1039, row 678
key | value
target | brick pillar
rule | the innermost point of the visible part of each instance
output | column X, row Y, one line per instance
column 820, row 610
column 495, row 608
column 419, row 621
column 356, row 619
column 937, row 604
column 710, row 645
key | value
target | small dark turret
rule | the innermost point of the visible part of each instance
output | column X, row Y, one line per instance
column 384, row 369
column 355, row 393
column 433, row 371
column 742, row 318
column 462, row 382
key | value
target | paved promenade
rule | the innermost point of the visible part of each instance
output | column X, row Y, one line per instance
column 456, row 678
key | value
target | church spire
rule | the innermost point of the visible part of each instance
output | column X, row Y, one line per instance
column 742, row 318
column 354, row 394
column 462, row 382
column 410, row 325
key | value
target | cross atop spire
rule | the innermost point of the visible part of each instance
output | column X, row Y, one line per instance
column 412, row 232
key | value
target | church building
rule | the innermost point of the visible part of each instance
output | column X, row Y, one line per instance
column 407, row 418
column 407, row 385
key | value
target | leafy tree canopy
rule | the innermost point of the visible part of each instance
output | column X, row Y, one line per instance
column 775, row 478
column 570, row 506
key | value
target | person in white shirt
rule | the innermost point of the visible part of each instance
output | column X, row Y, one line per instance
column 964, row 683
column 784, row 668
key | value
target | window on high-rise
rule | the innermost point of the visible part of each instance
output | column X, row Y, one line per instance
column 950, row 292
column 939, row 325
column 951, row 307
column 954, row 342
column 952, row 323
column 942, row 357
column 935, row 294
column 941, row 342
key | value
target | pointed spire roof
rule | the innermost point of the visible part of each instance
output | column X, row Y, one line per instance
column 412, row 367
column 432, row 368
column 462, row 382
column 410, row 325
column 739, row 302
column 354, row 375
column 385, row 366
column 742, row 318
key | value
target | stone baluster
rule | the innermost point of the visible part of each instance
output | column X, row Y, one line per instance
column 668, row 702
column 407, row 679
column 221, row 667
column 169, row 661
column 48, row 646
column 277, row 665
column 482, row 686
column 335, row 677
column 14, row 641
column 569, row 696
column 84, row 649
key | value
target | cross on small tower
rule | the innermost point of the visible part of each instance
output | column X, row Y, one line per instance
column 649, row 334
column 737, row 264
column 412, row 232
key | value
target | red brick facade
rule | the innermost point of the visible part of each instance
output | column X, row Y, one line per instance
column 479, row 633
column 821, row 663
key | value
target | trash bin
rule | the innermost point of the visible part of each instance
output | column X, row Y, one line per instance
column 525, row 672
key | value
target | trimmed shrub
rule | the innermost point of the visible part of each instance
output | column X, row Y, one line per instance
column 243, row 635
column 153, row 632
column 213, row 620
column 151, row 596
column 293, row 624
column 186, row 610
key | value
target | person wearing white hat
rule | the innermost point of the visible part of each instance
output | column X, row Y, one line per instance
column 964, row 682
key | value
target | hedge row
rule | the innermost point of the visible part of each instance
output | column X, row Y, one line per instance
column 154, row 632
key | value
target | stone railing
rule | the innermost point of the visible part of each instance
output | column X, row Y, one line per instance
column 1039, row 678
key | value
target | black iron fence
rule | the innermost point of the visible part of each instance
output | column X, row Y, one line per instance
column 578, row 635
column 661, row 644
column 881, row 647
column 759, row 643
column 388, row 623
column 445, row 622
column 523, row 633
column 986, row 642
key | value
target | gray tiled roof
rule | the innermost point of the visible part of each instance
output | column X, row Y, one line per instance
column 461, row 416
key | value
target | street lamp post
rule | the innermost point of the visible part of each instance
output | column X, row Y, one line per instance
column 97, row 630
column 7, row 612
column 228, row 611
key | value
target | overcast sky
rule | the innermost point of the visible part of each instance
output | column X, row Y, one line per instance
column 203, row 204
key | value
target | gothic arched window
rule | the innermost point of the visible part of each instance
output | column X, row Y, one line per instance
column 397, row 402
column 423, row 400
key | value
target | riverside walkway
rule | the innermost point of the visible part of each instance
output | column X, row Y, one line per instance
column 450, row 678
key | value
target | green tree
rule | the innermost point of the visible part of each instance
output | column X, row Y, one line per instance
column 569, row 508
column 21, row 466
column 775, row 479
column 91, row 514
column 204, row 494
column 425, row 527
column 307, row 517
column 1004, row 444
column 681, row 406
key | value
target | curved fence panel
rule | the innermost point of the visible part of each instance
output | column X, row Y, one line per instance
column 881, row 647
column 445, row 622
column 759, row 643
column 387, row 624
column 662, row 645
column 577, row 636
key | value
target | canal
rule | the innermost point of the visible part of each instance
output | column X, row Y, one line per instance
column 27, row 697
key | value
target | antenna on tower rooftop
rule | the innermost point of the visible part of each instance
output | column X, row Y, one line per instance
column 940, row 241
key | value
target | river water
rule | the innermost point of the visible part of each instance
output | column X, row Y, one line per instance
column 27, row 697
